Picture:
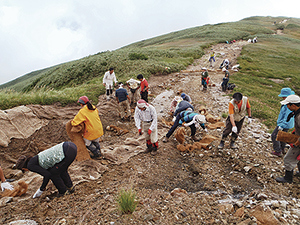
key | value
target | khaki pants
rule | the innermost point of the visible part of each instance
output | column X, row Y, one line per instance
column 124, row 107
column 153, row 137
column 135, row 96
column 290, row 158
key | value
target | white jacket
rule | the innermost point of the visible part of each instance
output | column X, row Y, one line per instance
column 109, row 79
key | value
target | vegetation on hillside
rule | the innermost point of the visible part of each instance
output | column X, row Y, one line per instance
column 274, row 58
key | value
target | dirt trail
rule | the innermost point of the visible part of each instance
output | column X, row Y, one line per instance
column 211, row 186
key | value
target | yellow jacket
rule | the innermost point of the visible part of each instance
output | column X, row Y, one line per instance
column 91, row 119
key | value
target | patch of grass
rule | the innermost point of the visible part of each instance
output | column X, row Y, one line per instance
column 126, row 201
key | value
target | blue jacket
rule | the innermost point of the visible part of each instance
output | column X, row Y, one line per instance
column 281, row 121
column 183, row 105
column 187, row 116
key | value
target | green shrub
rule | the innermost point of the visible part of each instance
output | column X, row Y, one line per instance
column 126, row 201
column 137, row 56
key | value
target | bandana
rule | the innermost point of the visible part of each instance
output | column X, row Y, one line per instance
column 142, row 104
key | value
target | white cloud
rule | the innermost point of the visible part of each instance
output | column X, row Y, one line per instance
column 8, row 16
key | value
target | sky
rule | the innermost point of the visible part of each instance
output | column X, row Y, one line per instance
column 37, row 34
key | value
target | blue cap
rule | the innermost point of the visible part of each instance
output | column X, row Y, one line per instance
column 182, row 95
column 286, row 92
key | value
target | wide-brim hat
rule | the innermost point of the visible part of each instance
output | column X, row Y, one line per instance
column 285, row 92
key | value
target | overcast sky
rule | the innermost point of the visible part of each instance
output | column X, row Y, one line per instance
column 35, row 34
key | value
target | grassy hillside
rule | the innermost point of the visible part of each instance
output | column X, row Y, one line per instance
column 274, row 57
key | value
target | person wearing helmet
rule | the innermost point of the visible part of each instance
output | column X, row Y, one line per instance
column 89, row 115
column 186, row 97
column 238, row 107
column 204, row 78
column 191, row 119
column 146, row 113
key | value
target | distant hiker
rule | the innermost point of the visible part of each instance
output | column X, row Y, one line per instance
column 181, row 106
column 123, row 101
column 144, row 87
column 238, row 107
column 108, row 79
column 52, row 164
column 4, row 183
column 225, row 81
column 292, row 158
column 211, row 57
column 191, row 119
column 282, row 123
column 89, row 115
column 186, row 97
column 225, row 64
column 255, row 40
column 146, row 113
column 133, row 86
column 174, row 103
column 204, row 78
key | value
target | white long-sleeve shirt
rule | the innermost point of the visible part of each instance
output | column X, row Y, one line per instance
column 108, row 78
column 148, row 115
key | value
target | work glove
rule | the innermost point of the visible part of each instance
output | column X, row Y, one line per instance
column 6, row 185
column 234, row 129
column 174, row 118
column 149, row 132
column 37, row 194
column 140, row 132
column 206, row 130
column 280, row 128
column 249, row 119
column 298, row 157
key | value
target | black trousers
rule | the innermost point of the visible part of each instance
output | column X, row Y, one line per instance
column 144, row 95
column 58, row 174
column 228, row 129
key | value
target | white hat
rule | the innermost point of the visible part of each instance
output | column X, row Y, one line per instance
column 204, row 68
column 291, row 99
column 200, row 118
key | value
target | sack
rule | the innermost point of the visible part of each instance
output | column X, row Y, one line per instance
column 230, row 86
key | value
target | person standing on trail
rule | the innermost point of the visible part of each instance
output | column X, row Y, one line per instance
column 93, row 130
column 123, row 101
column 108, row 79
column 292, row 157
column 133, row 86
column 52, row 164
column 225, row 81
column 186, row 97
column 204, row 78
column 4, row 183
column 146, row 113
column 282, row 123
column 211, row 57
column 144, row 87
column 191, row 119
column 238, row 107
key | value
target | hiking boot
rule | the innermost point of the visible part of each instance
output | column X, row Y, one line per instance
column 194, row 138
column 279, row 154
column 288, row 177
column 221, row 145
column 149, row 148
column 154, row 148
column 166, row 139
column 232, row 145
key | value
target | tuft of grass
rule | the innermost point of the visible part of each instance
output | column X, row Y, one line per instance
column 126, row 200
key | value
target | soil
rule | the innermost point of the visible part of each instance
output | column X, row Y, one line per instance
column 172, row 187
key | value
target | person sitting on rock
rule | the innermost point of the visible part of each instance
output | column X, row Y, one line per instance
column 186, row 97
column 89, row 115
column 238, row 107
column 292, row 157
column 52, row 164
column 123, row 101
column 146, row 113
column 204, row 78
column 191, row 119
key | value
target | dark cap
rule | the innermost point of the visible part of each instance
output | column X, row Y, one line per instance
column 237, row 96
column 21, row 162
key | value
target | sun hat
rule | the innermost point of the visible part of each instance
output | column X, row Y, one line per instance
column 286, row 92
column 178, row 99
column 200, row 118
column 204, row 68
column 291, row 99
column 237, row 96
column 83, row 100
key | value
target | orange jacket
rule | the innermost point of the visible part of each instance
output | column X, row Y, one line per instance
column 91, row 119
